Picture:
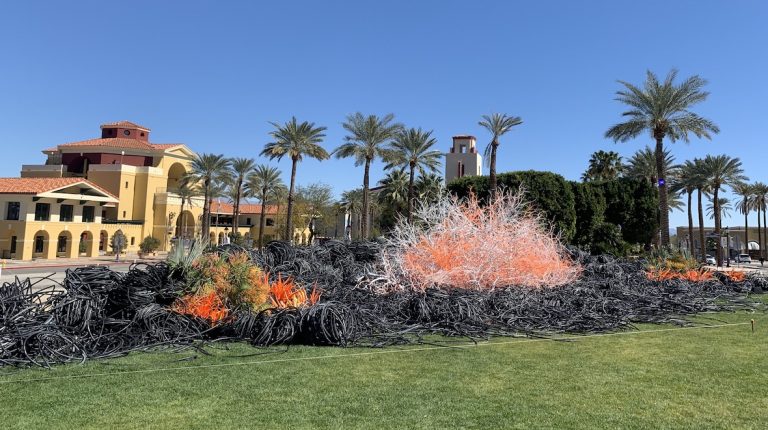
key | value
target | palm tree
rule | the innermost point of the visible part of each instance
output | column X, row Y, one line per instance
column 686, row 182
column 263, row 182
column 352, row 203
column 760, row 192
column 241, row 168
column 295, row 140
column 746, row 192
column 723, row 205
column 395, row 192
column 663, row 109
column 719, row 171
column 498, row 125
column 207, row 170
column 412, row 149
column 702, row 189
column 603, row 166
column 185, row 192
column 642, row 165
column 365, row 142
column 429, row 188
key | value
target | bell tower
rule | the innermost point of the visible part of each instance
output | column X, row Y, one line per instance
column 463, row 160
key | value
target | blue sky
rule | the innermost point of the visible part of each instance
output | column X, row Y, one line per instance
column 212, row 74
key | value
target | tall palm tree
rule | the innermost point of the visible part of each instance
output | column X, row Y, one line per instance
column 206, row 170
column 603, row 165
column 241, row 168
column 723, row 205
column 263, row 183
column 365, row 142
column 719, row 171
column 702, row 189
column 642, row 165
column 760, row 191
column 663, row 109
column 295, row 140
column 185, row 192
column 745, row 205
column 686, row 182
column 497, row 124
column 412, row 149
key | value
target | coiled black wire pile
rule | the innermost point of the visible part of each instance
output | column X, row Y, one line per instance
column 99, row 313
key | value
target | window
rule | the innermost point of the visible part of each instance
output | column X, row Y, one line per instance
column 133, row 241
column 88, row 214
column 13, row 244
column 39, row 244
column 42, row 212
column 66, row 214
column 127, row 132
column 62, row 244
column 126, row 184
column 270, row 222
column 247, row 221
column 12, row 214
column 124, row 214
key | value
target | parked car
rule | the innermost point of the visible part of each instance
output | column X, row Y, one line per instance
column 710, row 259
column 743, row 258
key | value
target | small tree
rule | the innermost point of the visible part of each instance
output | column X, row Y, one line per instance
column 149, row 245
column 118, row 243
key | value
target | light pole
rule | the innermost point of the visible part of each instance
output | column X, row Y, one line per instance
column 727, row 248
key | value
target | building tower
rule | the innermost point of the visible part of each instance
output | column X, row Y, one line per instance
column 463, row 160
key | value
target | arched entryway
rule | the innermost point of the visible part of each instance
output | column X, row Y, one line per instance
column 103, row 242
column 175, row 173
column 87, row 246
column 185, row 225
column 221, row 238
column 65, row 246
column 41, row 247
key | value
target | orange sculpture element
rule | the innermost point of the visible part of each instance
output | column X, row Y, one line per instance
column 206, row 306
column 466, row 245
column 285, row 294
column 688, row 275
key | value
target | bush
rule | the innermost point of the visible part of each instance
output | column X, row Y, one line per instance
column 590, row 212
column 607, row 239
column 149, row 245
column 547, row 192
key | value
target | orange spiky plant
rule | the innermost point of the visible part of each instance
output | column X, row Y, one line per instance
column 462, row 244
column 208, row 306
column 285, row 294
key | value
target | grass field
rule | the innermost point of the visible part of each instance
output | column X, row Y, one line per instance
column 658, row 377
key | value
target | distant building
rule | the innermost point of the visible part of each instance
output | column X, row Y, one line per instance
column 738, row 244
column 463, row 159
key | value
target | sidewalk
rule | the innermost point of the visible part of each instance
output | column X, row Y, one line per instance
column 103, row 260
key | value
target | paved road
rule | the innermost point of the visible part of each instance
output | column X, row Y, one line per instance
column 54, row 275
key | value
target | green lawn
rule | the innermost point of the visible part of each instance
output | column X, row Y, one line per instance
column 691, row 378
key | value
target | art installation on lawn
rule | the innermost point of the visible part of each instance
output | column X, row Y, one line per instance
column 419, row 282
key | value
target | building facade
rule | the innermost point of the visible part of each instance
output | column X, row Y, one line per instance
column 74, row 203
column 463, row 159
column 736, row 240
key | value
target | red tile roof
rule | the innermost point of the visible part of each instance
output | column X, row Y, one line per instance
column 124, row 124
column 165, row 146
column 112, row 142
column 42, row 185
column 221, row 207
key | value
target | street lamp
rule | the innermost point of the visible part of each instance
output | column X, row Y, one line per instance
column 727, row 248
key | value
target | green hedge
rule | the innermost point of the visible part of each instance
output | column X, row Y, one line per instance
column 548, row 192
column 592, row 214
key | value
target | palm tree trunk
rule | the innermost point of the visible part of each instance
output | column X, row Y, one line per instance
column 183, row 217
column 690, row 223
column 663, row 203
column 207, row 211
column 289, row 221
column 236, row 210
column 410, row 194
column 262, row 221
column 759, row 233
column 716, row 208
column 765, row 231
column 492, row 173
column 746, row 229
column 702, row 240
column 366, row 203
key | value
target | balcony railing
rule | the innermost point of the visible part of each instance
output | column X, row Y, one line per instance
column 122, row 221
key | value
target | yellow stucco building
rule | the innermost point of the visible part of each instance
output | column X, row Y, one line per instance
column 88, row 190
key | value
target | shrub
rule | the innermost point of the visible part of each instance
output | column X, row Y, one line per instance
column 461, row 244
column 590, row 212
column 149, row 244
